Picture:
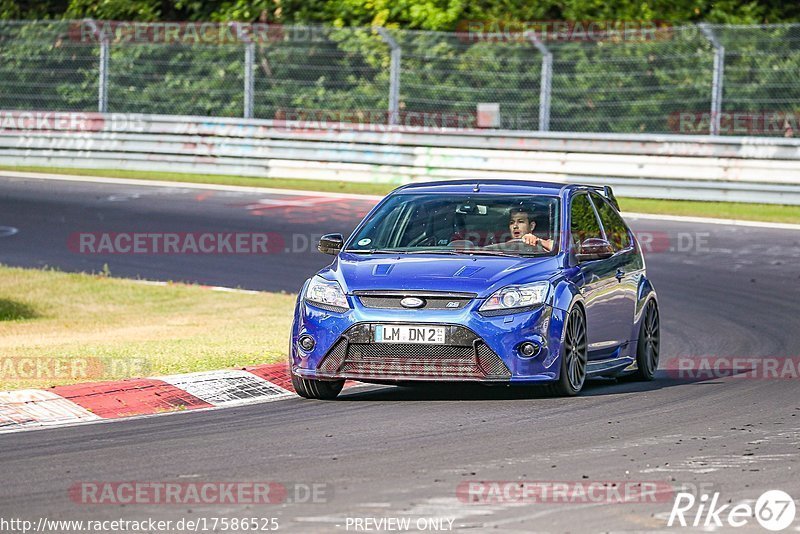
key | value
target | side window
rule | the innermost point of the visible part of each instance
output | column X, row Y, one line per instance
column 584, row 223
column 617, row 231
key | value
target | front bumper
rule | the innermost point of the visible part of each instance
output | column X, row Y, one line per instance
column 466, row 357
column 479, row 348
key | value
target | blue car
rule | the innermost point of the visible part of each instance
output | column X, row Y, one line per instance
column 497, row 282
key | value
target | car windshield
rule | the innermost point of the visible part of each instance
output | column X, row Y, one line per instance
column 518, row 225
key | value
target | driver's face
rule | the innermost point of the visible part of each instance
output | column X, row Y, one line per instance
column 519, row 225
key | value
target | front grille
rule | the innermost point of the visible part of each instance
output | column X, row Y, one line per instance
column 390, row 300
column 490, row 363
column 407, row 350
column 354, row 355
column 333, row 361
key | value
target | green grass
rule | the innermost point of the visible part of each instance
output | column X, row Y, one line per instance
column 119, row 328
column 720, row 210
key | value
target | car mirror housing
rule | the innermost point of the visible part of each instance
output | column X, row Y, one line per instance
column 331, row 244
column 594, row 249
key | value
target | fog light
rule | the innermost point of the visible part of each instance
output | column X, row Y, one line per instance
column 306, row 343
column 528, row 349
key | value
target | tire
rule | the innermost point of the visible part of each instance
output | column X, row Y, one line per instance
column 317, row 389
column 574, row 356
column 649, row 344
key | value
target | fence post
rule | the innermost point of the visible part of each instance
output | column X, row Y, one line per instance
column 102, row 92
column 394, row 75
column 102, row 73
column 716, row 81
column 545, row 83
column 249, row 59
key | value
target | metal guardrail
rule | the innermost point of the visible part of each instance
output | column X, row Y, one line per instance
column 649, row 166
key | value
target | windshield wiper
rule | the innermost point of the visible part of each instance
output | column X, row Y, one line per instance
column 390, row 251
column 491, row 253
column 451, row 252
column 372, row 251
column 464, row 252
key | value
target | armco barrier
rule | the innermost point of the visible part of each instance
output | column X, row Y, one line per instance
column 745, row 169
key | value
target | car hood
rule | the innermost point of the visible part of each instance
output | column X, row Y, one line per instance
column 430, row 272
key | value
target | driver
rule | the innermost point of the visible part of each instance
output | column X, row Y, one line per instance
column 522, row 227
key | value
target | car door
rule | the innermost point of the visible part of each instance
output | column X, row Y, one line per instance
column 626, row 262
column 603, row 296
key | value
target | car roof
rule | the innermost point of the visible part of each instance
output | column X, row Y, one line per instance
column 522, row 187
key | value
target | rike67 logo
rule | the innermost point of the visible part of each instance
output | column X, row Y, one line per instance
column 774, row 510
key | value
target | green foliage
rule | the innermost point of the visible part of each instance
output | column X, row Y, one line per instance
column 332, row 68
column 410, row 14
column 342, row 74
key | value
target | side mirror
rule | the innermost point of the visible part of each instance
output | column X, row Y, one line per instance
column 594, row 249
column 331, row 244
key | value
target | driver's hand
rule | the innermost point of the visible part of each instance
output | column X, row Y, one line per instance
column 530, row 239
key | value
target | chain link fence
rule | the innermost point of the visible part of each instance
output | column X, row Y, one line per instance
column 713, row 79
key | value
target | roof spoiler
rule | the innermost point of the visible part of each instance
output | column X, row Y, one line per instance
column 608, row 193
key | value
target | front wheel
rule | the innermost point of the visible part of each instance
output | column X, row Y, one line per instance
column 574, row 356
column 649, row 344
column 317, row 389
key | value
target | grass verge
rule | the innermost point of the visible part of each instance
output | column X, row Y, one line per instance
column 60, row 328
column 719, row 210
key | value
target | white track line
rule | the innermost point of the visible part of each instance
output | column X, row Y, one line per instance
column 222, row 289
column 709, row 220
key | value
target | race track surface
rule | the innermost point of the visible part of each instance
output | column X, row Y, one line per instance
column 394, row 452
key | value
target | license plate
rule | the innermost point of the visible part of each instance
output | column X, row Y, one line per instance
column 433, row 335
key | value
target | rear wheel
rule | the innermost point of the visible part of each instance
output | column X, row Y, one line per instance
column 574, row 355
column 317, row 389
column 649, row 344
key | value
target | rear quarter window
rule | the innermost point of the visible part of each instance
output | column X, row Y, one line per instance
column 584, row 224
column 617, row 232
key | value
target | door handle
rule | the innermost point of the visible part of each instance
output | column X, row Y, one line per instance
column 620, row 275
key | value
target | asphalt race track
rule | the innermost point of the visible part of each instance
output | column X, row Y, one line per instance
column 395, row 452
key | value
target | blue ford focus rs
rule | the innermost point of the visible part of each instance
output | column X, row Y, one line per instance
column 499, row 282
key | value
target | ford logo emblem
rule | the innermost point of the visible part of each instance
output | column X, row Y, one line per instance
column 412, row 302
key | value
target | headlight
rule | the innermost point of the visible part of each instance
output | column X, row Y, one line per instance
column 520, row 296
column 327, row 293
